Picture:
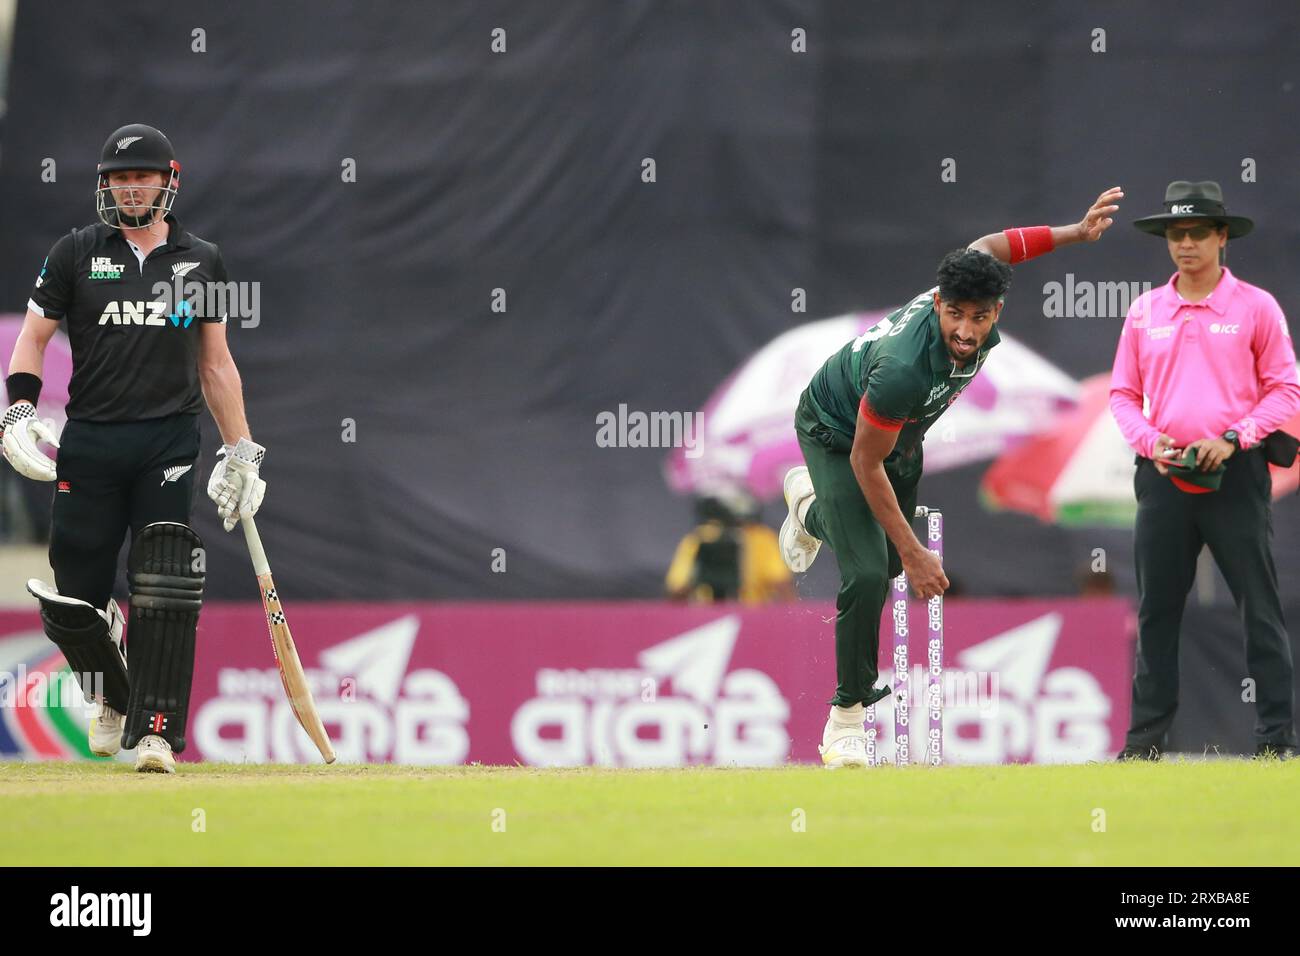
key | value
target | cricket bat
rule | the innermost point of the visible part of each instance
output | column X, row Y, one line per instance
column 286, row 654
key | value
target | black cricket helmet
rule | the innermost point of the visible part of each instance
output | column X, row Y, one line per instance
column 136, row 147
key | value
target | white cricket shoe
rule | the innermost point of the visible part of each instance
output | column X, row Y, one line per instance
column 154, row 755
column 847, row 747
column 106, row 731
column 798, row 547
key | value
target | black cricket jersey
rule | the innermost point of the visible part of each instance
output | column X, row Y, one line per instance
column 135, row 353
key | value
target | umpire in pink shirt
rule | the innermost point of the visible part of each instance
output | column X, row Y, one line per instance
column 1205, row 362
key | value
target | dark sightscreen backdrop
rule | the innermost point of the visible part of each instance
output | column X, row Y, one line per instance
column 521, row 171
column 1217, row 702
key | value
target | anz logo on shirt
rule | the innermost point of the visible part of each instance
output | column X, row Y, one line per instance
column 147, row 313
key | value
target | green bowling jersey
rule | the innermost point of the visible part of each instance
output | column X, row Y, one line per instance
column 903, row 370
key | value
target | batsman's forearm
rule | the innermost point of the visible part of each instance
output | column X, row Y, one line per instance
column 998, row 246
column 223, row 391
column 29, row 356
column 884, row 506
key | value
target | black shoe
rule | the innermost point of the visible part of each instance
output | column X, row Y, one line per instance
column 1276, row 752
column 1151, row 753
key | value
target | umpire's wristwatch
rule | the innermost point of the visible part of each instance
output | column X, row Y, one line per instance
column 1230, row 437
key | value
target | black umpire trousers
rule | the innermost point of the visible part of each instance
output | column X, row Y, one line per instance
column 1236, row 522
column 111, row 477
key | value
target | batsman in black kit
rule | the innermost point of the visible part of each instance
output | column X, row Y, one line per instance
column 144, row 360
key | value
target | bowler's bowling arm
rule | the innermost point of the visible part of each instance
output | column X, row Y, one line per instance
column 998, row 246
column 1098, row 218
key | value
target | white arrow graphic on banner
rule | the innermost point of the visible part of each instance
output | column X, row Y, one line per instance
column 1019, row 656
column 376, row 659
column 695, row 661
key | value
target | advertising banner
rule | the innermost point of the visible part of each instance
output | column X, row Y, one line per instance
column 625, row 685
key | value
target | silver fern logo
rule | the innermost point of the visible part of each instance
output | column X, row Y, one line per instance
column 181, row 268
column 126, row 141
column 174, row 472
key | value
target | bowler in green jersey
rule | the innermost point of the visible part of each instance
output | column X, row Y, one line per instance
column 860, row 425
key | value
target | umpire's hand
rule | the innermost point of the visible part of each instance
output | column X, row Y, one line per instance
column 1164, row 448
column 1212, row 452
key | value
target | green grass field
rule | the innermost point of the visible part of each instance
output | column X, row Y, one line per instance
column 1221, row 812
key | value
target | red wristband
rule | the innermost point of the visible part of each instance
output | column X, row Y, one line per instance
column 1029, row 241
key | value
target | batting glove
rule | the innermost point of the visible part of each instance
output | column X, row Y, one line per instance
column 21, row 430
column 235, row 485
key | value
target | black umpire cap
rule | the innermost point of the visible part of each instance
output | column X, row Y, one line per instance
column 1187, row 200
